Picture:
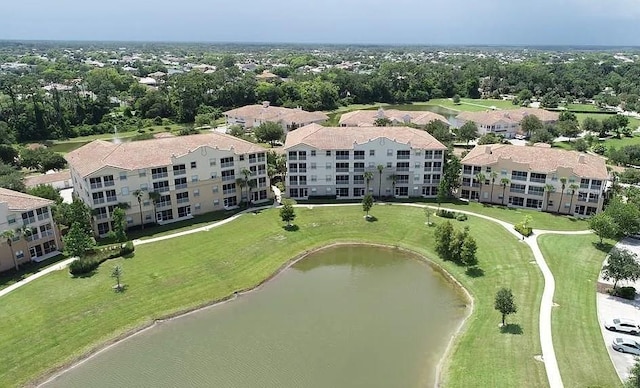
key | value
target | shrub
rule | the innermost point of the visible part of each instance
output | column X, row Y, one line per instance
column 599, row 149
column 83, row 266
column 127, row 248
column 523, row 230
column 445, row 214
column 624, row 292
column 461, row 217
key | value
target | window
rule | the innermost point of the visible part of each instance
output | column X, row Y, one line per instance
column 194, row 178
column 19, row 254
column 42, row 213
column 342, row 155
column 229, row 188
column 389, row 164
column 417, row 152
column 466, row 169
column 342, row 179
column 241, row 157
column 214, row 175
column 129, row 220
column 584, row 183
column 144, row 187
column 518, row 175
column 196, row 193
column 328, row 178
column 108, row 180
column 342, row 167
column 535, row 190
column 437, row 154
column 124, row 191
column 226, row 162
column 488, row 169
column 342, row 192
column 142, row 173
column 197, row 206
column 161, row 186
column 428, row 154
column 157, row 173
column 11, row 220
column 123, row 176
column 403, row 154
column 184, row 211
column 328, row 153
column 313, row 152
column 358, row 154
column 95, row 183
column 389, row 152
column 313, row 166
column 516, row 188
column 193, row 164
column 214, row 189
column 228, row 175
column 182, row 197
column 372, row 152
column 328, row 166
column 181, row 183
column 212, row 162
column 538, row 178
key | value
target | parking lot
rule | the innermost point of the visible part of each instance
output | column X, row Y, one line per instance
column 610, row 307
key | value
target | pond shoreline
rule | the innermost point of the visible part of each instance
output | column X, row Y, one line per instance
column 446, row 356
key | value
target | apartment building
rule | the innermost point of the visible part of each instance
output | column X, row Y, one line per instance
column 533, row 177
column 332, row 162
column 367, row 118
column 35, row 235
column 191, row 174
column 504, row 122
column 251, row 116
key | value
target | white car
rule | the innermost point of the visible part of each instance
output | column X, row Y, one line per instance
column 626, row 346
column 623, row 325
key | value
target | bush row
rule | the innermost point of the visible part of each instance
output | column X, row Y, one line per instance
column 452, row 215
column 98, row 256
column 624, row 292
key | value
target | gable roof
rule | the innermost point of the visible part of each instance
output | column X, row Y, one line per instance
column 276, row 114
column 341, row 138
column 367, row 118
column 150, row 153
column 513, row 116
column 539, row 159
column 18, row 201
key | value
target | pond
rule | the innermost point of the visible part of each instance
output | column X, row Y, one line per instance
column 344, row 316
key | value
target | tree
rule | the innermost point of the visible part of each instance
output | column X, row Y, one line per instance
column 504, row 182
column 621, row 265
column 569, row 128
column 444, row 236
column 236, row 130
column 154, row 197
column 393, row 178
column 451, row 176
column 287, row 212
column 10, row 178
column 504, row 303
column 490, row 138
column 603, row 226
column 241, row 183
column 440, row 131
column 634, row 376
column 456, row 99
column 493, row 176
column 77, row 241
column 442, row 193
column 591, row 125
column 548, row 189
column 368, row 177
column 76, row 212
column 543, row 135
column 573, row 187
column 46, row 191
column 119, row 217
column 531, row 124
column 116, row 273
column 8, row 236
column 382, row 122
column 563, row 183
column 468, row 253
column 367, row 203
column 456, row 244
column 380, row 168
column 467, row 132
column 480, row 177
column 268, row 132
column 428, row 212
column 138, row 194
column 625, row 215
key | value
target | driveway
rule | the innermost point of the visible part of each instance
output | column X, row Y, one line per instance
column 610, row 307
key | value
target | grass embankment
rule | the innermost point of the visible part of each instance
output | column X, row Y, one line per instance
column 57, row 318
column 580, row 349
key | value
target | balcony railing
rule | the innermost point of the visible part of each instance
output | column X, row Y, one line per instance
column 518, row 191
column 261, row 160
column 163, row 204
column 228, row 178
column 342, row 169
column 180, row 172
column 404, row 157
column 159, row 175
column 42, row 217
column 109, row 183
column 96, row 186
column 161, row 189
column 96, row 201
column 181, row 186
column 102, row 216
column 536, row 193
column 537, row 180
column 402, row 168
column 342, row 182
column 358, row 169
column 358, row 157
column 112, row 199
column 342, row 157
column 182, row 200
column 358, row 182
column 226, row 164
column 302, row 170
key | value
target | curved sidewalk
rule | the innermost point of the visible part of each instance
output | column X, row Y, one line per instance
column 546, row 304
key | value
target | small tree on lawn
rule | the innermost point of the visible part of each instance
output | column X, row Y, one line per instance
column 287, row 212
column 428, row 212
column 504, row 303
column 119, row 224
column 468, row 252
column 442, row 194
column 444, row 236
column 621, row 265
column 77, row 241
column 117, row 274
column 367, row 203
column 603, row 226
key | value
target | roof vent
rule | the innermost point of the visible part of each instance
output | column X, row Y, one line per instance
column 487, row 150
column 581, row 159
column 265, row 104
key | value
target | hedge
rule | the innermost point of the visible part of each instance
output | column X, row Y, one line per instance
column 96, row 257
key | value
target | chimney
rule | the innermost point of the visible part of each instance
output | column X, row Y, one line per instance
column 581, row 159
column 265, row 104
column 487, row 150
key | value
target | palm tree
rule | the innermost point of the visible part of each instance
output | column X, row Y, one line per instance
column 563, row 181
column 548, row 189
column 154, row 196
column 138, row 194
column 251, row 184
column 493, row 176
column 241, row 183
column 8, row 236
column 380, row 168
column 504, row 182
column 480, row 177
column 573, row 187
column 368, row 176
column 393, row 178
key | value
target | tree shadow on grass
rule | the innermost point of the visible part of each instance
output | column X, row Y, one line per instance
column 511, row 328
column 291, row 228
column 129, row 255
column 474, row 272
column 85, row 275
column 604, row 247
column 121, row 289
column 371, row 218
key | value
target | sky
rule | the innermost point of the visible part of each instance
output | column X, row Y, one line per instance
column 422, row 22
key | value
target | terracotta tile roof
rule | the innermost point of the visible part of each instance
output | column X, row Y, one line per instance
column 367, row 118
column 45, row 179
column 150, row 153
column 341, row 138
column 22, row 202
column 509, row 116
column 276, row 114
column 539, row 159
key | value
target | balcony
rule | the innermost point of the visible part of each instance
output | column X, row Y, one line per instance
column 261, row 160
column 537, row 180
column 109, row 183
column 403, row 157
column 95, row 186
column 112, row 199
column 47, row 233
column 402, row 168
column 42, row 217
column 228, row 191
column 536, row 193
column 293, row 171
column 96, row 201
column 517, row 191
column 158, row 176
column 181, row 186
column 358, row 157
column 182, row 200
column 342, row 183
column 102, row 216
column 180, row 172
column 302, row 157
column 228, row 178
column 342, row 169
column 358, row 169
column 402, row 181
column 162, row 189
column 428, row 169
column 342, row 157
column 163, row 204
column 302, row 170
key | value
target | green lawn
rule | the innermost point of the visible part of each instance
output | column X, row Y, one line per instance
column 189, row 271
column 583, row 107
column 580, row 349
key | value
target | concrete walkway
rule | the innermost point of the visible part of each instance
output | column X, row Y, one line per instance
column 56, row 267
column 546, row 305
